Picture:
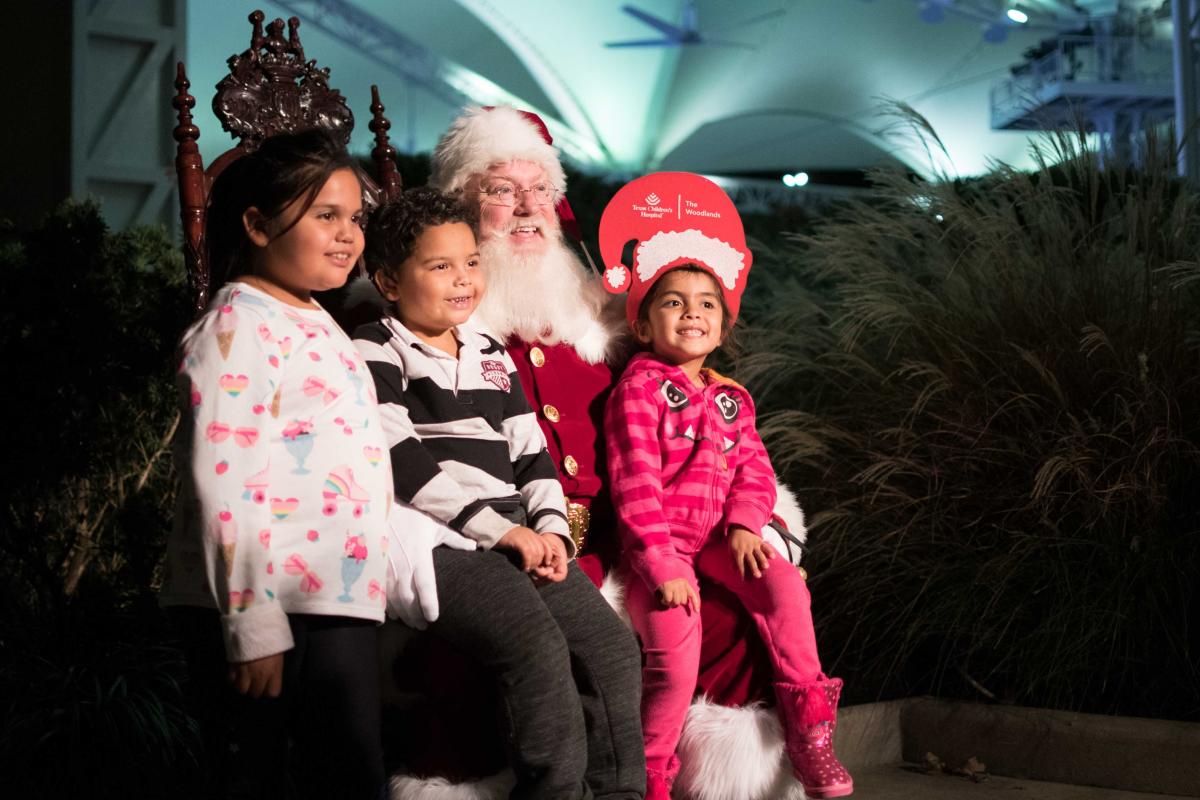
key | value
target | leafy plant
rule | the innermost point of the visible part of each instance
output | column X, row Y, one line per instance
column 987, row 394
column 88, row 323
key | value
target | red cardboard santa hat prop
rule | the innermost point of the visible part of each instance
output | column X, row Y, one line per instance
column 488, row 135
column 666, row 220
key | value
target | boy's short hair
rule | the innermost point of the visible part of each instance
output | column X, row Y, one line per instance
column 394, row 227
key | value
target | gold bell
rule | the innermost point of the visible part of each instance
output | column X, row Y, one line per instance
column 551, row 413
column 571, row 466
column 578, row 519
column 537, row 356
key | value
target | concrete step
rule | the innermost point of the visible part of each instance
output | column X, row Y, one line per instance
column 905, row 782
column 1031, row 748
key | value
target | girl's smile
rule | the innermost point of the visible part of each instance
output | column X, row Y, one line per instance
column 684, row 320
column 319, row 248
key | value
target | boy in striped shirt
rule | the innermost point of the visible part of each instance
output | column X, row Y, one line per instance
column 468, row 455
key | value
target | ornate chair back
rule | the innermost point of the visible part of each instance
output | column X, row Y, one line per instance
column 270, row 89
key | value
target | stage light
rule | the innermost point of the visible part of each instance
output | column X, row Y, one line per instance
column 789, row 180
column 1018, row 16
column 800, row 179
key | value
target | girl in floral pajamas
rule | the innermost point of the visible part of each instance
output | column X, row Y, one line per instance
column 276, row 568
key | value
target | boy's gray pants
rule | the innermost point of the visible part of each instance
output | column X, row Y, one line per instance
column 567, row 669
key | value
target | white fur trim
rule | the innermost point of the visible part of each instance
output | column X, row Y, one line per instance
column 592, row 346
column 410, row 787
column 726, row 754
column 668, row 247
column 733, row 754
column 788, row 509
column 604, row 338
column 480, row 139
column 613, row 590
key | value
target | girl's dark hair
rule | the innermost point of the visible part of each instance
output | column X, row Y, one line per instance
column 285, row 168
column 643, row 314
column 395, row 226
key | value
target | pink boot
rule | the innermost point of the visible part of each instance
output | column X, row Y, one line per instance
column 808, row 714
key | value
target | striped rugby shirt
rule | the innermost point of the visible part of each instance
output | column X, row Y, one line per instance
column 465, row 446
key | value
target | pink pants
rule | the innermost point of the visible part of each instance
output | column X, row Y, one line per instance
column 780, row 606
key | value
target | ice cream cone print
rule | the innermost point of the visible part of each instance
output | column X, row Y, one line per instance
column 275, row 404
column 227, row 530
column 226, row 328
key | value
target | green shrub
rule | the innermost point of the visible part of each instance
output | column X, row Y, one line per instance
column 89, row 697
column 987, row 395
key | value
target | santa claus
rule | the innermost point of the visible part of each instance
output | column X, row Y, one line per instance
column 567, row 338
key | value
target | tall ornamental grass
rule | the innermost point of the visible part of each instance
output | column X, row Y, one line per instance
column 987, row 395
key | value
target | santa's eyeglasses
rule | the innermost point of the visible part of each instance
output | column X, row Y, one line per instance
column 505, row 194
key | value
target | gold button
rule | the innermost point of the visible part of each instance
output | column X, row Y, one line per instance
column 537, row 356
column 571, row 466
column 551, row 413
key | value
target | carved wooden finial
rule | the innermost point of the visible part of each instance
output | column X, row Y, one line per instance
column 256, row 37
column 294, row 38
column 383, row 154
column 271, row 89
column 184, row 103
column 189, row 169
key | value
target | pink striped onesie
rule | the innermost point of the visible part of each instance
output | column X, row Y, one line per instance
column 686, row 463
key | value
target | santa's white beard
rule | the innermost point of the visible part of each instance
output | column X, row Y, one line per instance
column 544, row 297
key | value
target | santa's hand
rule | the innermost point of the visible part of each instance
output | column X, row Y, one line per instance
column 412, row 582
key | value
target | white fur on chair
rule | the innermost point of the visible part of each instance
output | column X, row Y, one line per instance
column 733, row 754
column 409, row 787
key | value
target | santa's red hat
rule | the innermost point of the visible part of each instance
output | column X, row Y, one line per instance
column 488, row 135
column 666, row 220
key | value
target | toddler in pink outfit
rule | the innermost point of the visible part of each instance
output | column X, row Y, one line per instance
column 691, row 480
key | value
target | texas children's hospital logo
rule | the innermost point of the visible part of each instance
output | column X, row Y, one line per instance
column 654, row 207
